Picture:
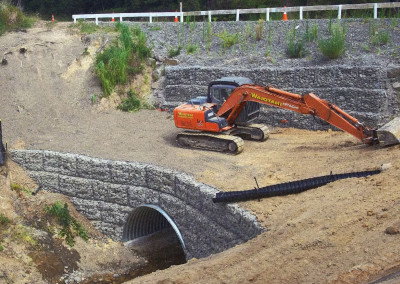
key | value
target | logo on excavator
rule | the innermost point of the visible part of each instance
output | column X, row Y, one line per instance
column 272, row 102
column 291, row 106
column 185, row 115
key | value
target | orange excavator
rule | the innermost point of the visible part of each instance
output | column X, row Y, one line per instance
column 220, row 121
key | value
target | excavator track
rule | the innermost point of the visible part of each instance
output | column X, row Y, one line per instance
column 255, row 132
column 211, row 142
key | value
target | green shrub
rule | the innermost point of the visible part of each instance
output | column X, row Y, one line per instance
column 131, row 103
column 70, row 226
column 334, row 46
column 124, row 58
column 295, row 47
column 228, row 39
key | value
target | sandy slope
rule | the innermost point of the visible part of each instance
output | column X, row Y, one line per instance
column 333, row 234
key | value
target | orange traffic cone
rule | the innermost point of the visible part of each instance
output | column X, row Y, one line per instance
column 176, row 18
column 113, row 20
column 284, row 15
column 52, row 17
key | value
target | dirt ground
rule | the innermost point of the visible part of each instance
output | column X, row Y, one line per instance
column 337, row 233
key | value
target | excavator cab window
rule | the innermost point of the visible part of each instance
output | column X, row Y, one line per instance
column 220, row 93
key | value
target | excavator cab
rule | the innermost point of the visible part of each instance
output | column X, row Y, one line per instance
column 219, row 91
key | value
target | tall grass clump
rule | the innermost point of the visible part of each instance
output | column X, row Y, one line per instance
column 124, row 58
column 259, row 30
column 334, row 46
column 295, row 47
column 378, row 36
column 311, row 34
column 12, row 18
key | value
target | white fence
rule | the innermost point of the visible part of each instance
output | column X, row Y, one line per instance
column 238, row 12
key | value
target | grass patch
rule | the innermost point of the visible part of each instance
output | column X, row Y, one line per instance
column 87, row 28
column 378, row 36
column 228, row 40
column 70, row 226
column 20, row 190
column 334, row 46
column 124, row 58
column 174, row 51
column 155, row 28
column 191, row 48
column 4, row 221
column 382, row 37
column 20, row 234
column 12, row 18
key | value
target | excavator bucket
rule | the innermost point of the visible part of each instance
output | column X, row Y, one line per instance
column 389, row 134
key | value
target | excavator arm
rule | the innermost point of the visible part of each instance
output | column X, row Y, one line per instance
column 307, row 104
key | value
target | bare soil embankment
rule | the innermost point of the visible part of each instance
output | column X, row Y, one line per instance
column 333, row 234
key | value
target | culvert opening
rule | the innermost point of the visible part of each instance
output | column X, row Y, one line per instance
column 154, row 235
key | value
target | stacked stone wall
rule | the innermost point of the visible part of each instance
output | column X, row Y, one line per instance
column 106, row 192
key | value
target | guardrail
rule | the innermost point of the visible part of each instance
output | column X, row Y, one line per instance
column 238, row 12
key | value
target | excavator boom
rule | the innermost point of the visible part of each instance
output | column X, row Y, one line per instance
column 307, row 104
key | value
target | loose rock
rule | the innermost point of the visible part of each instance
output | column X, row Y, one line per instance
column 391, row 231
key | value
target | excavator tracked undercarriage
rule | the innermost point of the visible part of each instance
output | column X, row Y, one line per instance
column 221, row 120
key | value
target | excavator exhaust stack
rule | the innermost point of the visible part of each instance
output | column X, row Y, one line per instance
column 389, row 134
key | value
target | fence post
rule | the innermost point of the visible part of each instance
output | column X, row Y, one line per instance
column 339, row 16
column 301, row 13
column 151, row 18
column 375, row 10
column 237, row 15
column 180, row 10
column 267, row 14
column 97, row 21
column 209, row 16
column 120, row 18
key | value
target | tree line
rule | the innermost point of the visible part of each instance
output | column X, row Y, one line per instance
column 69, row 7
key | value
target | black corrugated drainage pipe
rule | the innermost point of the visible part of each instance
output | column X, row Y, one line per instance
column 287, row 187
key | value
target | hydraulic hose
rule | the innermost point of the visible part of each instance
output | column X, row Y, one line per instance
column 287, row 187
